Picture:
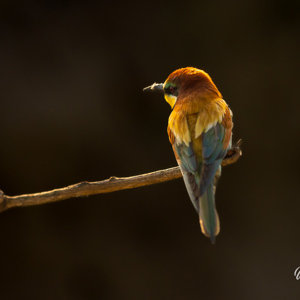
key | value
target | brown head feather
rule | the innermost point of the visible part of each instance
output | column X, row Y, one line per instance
column 189, row 80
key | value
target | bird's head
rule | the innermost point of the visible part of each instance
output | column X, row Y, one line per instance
column 183, row 82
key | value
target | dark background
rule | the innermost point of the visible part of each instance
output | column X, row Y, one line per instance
column 72, row 109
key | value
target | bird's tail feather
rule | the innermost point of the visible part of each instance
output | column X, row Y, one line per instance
column 209, row 219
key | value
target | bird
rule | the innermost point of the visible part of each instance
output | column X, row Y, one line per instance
column 200, row 132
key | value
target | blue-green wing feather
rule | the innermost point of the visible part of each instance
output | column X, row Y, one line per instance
column 213, row 153
column 187, row 157
column 190, row 170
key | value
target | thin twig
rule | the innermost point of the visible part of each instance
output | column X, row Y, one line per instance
column 112, row 184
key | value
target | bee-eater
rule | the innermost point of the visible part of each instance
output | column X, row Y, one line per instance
column 200, row 130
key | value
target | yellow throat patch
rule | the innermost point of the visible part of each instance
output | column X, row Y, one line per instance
column 171, row 99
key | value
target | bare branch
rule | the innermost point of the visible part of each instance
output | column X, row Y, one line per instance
column 106, row 186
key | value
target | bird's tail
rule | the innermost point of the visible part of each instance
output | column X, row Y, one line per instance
column 209, row 219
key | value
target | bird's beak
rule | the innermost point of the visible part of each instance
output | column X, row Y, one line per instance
column 154, row 87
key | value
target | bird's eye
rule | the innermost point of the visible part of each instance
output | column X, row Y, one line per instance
column 171, row 90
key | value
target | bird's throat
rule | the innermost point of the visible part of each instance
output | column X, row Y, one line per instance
column 171, row 99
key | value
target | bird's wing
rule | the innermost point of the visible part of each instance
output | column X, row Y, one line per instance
column 189, row 166
column 215, row 143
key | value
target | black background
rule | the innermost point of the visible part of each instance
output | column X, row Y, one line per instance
column 72, row 109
